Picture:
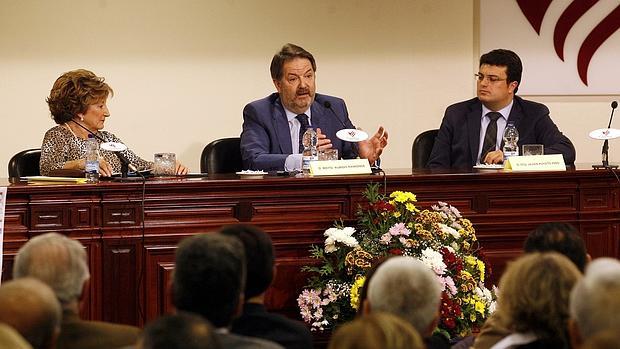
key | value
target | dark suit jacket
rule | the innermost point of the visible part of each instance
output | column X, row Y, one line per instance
column 457, row 142
column 255, row 321
column 266, row 136
column 80, row 334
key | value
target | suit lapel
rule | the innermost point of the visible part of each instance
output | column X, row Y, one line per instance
column 283, row 131
column 473, row 129
column 318, row 116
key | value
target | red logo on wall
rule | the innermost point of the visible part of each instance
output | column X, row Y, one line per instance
column 534, row 11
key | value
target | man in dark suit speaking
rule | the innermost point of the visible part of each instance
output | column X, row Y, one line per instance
column 272, row 126
column 471, row 131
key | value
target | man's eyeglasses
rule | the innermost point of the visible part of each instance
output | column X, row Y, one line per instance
column 492, row 78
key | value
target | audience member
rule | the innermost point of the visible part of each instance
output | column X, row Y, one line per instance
column 60, row 262
column 376, row 330
column 533, row 299
column 595, row 301
column 563, row 238
column 10, row 338
column 255, row 321
column 179, row 331
column 407, row 288
column 607, row 339
column 209, row 281
column 31, row 308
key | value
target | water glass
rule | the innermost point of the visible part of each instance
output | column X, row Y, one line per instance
column 164, row 164
column 533, row 149
column 328, row 154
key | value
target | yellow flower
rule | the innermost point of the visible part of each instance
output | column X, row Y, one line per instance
column 471, row 260
column 355, row 291
column 410, row 207
column 481, row 270
column 472, row 317
column 479, row 306
column 396, row 214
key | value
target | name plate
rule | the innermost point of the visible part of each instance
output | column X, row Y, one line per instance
column 554, row 162
column 339, row 167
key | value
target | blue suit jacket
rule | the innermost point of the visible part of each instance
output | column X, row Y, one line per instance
column 266, row 136
column 457, row 142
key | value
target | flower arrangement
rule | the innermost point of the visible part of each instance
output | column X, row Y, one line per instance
column 393, row 225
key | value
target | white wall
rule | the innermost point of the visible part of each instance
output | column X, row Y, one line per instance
column 183, row 70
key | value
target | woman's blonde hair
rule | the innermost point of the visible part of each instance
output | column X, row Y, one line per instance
column 376, row 330
column 534, row 295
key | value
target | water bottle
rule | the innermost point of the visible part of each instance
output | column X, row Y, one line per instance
column 91, row 165
column 511, row 137
column 310, row 152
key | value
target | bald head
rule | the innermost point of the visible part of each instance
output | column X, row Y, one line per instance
column 58, row 261
column 30, row 307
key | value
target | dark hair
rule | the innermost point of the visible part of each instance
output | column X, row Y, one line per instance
column 287, row 53
column 258, row 254
column 73, row 92
column 179, row 331
column 508, row 59
column 559, row 237
column 209, row 277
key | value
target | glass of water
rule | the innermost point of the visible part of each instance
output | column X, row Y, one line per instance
column 164, row 164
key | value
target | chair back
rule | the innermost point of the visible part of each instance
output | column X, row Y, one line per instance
column 222, row 156
column 421, row 149
column 25, row 163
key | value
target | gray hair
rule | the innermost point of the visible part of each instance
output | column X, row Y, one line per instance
column 595, row 299
column 406, row 287
column 58, row 261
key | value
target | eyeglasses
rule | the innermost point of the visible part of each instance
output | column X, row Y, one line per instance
column 492, row 78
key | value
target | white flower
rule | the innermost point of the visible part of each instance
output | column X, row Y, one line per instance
column 433, row 260
column 343, row 236
column 449, row 230
column 455, row 247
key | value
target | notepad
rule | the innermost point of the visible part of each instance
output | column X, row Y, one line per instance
column 54, row 179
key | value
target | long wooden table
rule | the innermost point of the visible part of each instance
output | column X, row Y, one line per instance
column 131, row 250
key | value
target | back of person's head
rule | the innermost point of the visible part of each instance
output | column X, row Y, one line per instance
column 595, row 300
column 287, row 53
column 407, row 288
column 31, row 308
column 258, row 254
column 179, row 331
column 508, row 59
column 209, row 277
column 534, row 294
column 58, row 261
column 376, row 330
column 607, row 339
column 563, row 238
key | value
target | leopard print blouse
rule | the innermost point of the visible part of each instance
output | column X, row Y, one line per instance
column 60, row 145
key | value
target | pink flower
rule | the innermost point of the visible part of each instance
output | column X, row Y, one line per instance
column 399, row 229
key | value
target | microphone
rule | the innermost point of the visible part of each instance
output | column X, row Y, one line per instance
column 605, row 150
column 125, row 164
column 328, row 105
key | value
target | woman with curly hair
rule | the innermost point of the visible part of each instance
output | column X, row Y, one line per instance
column 77, row 103
column 533, row 299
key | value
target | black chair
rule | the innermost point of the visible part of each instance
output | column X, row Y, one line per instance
column 25, row 163
column 222, row 156
column 421, row 148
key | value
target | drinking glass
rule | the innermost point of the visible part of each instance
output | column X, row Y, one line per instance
column 328, row 154
column 164, row 164
column 533, row 149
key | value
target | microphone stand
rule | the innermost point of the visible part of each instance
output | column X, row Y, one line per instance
column 605, row 151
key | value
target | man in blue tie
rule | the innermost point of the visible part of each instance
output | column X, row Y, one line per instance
column 471, row 131
column 273, row 126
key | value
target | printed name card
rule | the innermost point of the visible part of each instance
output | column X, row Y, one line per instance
column 339, row 167
column 553, row 162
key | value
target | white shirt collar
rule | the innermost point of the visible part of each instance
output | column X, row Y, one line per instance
column 290, row 116
column 504, row 111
